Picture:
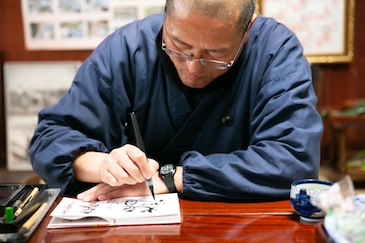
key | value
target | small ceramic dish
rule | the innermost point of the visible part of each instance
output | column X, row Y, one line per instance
column 302, row 192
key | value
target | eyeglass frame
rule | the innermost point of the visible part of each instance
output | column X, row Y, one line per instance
column 185, row 57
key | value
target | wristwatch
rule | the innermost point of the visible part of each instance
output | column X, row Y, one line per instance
column 167, row 173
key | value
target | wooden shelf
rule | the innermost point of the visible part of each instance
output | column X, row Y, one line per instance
column 339, row 153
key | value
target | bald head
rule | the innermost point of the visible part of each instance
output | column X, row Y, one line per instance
column 240, row 11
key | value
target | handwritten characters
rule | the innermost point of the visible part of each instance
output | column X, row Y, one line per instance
column 113, row 208
column 89, row 208
column 67, row 207
column 135, row 206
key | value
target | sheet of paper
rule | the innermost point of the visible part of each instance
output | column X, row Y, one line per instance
column 120, row 211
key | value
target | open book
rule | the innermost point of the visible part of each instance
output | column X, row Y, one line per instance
column 72, row 212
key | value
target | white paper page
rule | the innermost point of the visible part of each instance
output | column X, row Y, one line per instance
column 127, row 210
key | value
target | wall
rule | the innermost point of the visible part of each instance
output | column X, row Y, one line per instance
column 343, row 82
column 12, row 48
column 335, row 83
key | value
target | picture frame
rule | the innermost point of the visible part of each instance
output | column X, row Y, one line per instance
column 28, row 88
column 79, row 24
column 325, row 28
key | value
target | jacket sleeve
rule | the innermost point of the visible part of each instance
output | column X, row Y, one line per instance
column 284, row 136
column 87, row 118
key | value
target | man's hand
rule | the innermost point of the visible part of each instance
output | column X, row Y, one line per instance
column 125, row 165
column 104, row 191
column 122, row 172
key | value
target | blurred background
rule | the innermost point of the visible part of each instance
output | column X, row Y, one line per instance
column 28, row 37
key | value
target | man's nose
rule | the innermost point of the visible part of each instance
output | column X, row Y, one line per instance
column 194, row 65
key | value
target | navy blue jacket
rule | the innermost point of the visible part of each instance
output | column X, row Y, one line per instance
column 273, row 139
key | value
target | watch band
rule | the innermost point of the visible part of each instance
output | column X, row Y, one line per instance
column 167, row 173
column 170, row 184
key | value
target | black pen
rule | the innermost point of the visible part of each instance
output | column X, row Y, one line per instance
column 140, row 145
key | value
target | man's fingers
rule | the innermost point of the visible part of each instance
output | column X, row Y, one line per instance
column 154, row 165
column 93, row 193
column 140, row 160
column 127, row 165
column 104, row 192
column 128, row 172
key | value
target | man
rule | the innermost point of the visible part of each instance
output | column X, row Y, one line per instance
column 219, row 92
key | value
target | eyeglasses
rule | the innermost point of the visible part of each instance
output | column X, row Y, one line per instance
column 205, row 62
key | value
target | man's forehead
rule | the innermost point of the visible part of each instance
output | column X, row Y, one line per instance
column 211, row 8
column 205, row 31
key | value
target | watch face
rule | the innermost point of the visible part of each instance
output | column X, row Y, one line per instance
column 167, row 169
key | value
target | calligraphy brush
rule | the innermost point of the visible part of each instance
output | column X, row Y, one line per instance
column 140, row 145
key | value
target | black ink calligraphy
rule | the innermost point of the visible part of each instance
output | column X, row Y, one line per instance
column 135, row 206
column 89, row 208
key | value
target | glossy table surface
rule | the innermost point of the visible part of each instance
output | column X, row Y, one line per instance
column 201, row 222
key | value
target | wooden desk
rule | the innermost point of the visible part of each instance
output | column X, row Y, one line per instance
column 201, row 222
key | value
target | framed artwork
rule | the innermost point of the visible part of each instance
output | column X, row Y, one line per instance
column 29, row 87
column 325, row 27
column 79, row 24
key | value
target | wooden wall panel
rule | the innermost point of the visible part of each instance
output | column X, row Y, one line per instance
column 2, row 118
